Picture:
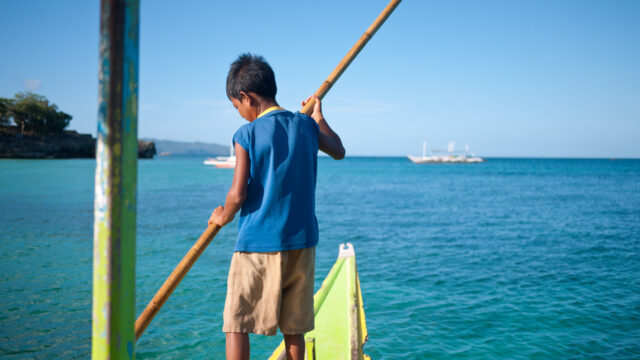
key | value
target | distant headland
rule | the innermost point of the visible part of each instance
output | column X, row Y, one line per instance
column 183, row 148
column 67, row 144
column 33, row 128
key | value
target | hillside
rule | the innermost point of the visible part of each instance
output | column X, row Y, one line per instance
column 189, row 148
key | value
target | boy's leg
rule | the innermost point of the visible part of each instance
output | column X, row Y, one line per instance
column 296, row 308
column 238, row 346
column 294, row 346
column 296, row 305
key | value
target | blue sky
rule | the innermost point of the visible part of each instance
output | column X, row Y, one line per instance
column 509, row 78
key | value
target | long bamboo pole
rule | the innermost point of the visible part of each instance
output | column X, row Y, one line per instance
column 174, row 279
column 190, row 258
column 355, row 50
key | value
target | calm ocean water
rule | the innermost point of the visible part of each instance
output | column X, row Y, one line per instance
column 509, row 259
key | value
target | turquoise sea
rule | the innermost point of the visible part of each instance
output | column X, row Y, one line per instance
column 509, row 259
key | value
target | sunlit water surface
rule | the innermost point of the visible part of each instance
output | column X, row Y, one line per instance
column 509, row 259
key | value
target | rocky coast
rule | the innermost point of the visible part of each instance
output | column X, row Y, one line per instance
column 64, row 145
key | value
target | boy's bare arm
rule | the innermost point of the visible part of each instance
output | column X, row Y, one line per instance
column 328, row 141
column 223, row 215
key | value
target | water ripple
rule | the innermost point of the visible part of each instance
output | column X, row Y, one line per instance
column 511, row 259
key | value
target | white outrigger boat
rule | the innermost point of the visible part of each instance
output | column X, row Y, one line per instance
column 224, row 162
column 451, row 157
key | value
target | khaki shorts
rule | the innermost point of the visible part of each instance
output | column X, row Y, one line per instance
column 266, row 291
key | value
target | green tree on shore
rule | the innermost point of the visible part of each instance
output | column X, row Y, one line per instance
column 5, row 111
column 33, row 113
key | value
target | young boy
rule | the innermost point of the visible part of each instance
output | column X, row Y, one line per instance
column 270, row 283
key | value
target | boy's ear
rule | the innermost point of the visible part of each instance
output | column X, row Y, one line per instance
column 243, row 96
column 249, row 98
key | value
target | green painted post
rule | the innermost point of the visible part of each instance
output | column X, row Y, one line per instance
column 115, row 190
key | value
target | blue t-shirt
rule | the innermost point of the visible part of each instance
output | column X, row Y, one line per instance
column 279, row 211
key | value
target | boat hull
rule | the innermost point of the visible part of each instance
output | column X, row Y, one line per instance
column 340, row 327
column 224, row 162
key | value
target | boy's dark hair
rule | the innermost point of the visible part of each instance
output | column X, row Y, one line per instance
column 251, row 73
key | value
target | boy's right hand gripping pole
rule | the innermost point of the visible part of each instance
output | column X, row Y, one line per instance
column 355, row 50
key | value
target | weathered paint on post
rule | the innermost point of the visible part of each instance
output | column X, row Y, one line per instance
column 115, row 188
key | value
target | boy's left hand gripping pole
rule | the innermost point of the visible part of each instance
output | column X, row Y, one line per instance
column 174, row 279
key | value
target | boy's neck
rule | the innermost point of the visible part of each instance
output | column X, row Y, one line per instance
column 266, row 104
column 256, row 105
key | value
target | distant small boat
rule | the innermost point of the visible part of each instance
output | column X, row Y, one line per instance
column 452, row 156
column 223, row 162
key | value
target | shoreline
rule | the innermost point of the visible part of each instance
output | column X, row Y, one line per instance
column 68, row 144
